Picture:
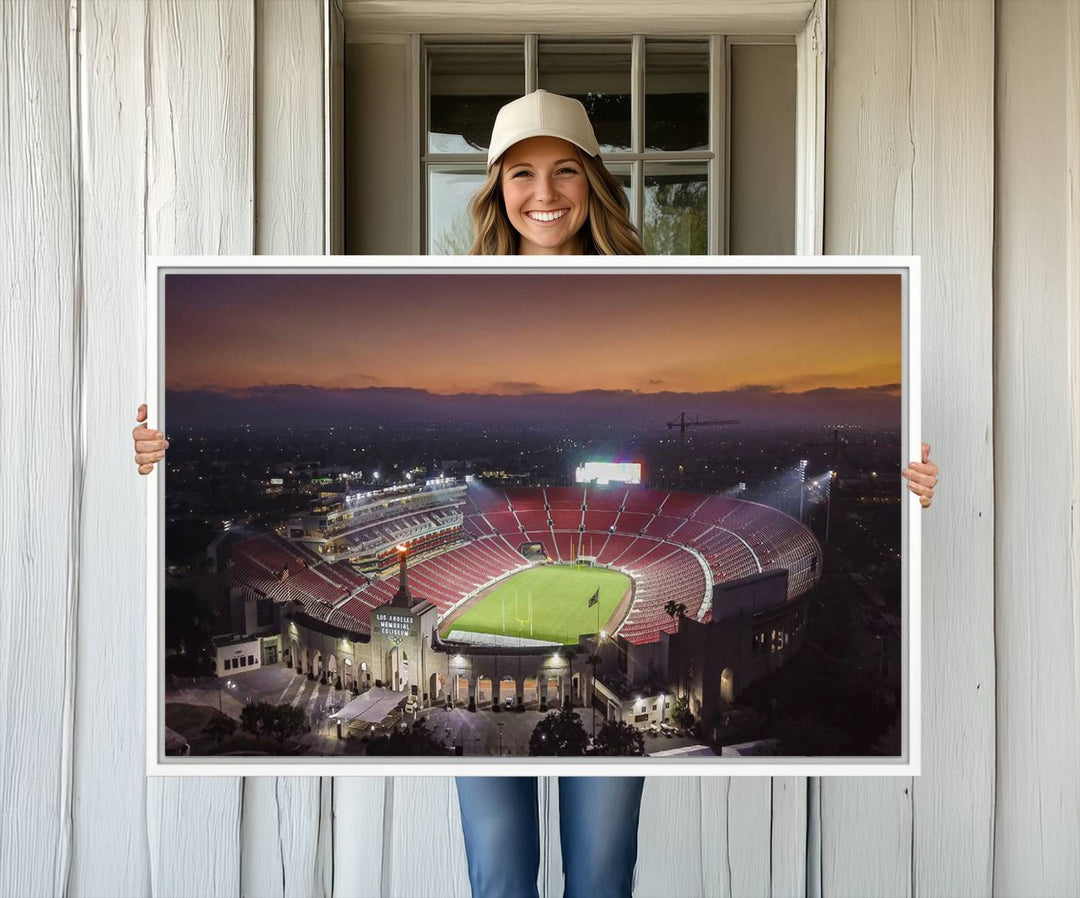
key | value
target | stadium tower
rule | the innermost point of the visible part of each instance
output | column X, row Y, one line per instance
column 398, row 634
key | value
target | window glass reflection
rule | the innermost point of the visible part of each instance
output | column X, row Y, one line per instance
column 597, row 74
column 467, row 84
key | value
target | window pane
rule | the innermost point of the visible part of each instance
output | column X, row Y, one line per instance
column 466, row 86
column 597, row 74
column 449, row 192
column 676, row 95
column 676, row 208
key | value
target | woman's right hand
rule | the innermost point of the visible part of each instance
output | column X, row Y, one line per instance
column 150, row 445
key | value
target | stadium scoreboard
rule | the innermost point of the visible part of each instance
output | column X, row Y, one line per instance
column 604, row 472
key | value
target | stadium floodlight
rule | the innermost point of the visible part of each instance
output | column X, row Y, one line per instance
column 401, row 548
column 802, row 485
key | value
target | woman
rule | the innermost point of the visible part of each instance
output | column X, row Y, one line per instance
column 548, row 193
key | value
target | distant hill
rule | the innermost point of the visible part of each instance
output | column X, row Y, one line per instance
column 756, row 406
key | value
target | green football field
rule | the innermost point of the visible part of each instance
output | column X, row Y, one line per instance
column 559, row 601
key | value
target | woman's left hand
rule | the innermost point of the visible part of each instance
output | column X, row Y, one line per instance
column 922, row 477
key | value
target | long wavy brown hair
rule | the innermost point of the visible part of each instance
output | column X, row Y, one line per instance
column 607, row 231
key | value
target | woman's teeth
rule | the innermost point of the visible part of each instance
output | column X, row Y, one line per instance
column 546, row 216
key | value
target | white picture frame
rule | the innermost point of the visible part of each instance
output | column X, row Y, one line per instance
column 908, row 763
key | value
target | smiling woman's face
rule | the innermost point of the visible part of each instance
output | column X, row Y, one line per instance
column 546, row 195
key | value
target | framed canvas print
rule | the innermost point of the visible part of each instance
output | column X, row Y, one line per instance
column 508, row 515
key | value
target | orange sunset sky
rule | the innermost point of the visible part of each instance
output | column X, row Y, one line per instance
column 516, row 333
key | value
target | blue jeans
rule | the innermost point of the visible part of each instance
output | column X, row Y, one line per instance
column 598, row 823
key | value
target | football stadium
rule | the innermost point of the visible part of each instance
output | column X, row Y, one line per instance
column 457, row 591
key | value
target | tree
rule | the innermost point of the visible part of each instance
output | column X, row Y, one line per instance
column 286, row 721
column 416, row 740
column 219, row 729
column 677, row 611
column 676, row 220
column 681, row 713
column 456, row 239
column 256, row 719
column 189, row 623
column 266, row 721
column 617, row 738
column 559, row 733
column 811, row 737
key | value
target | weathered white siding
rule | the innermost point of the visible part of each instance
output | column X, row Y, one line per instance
column 1036, row 838
column 184, row 127
column 199, row 195
column 109, row 818
column 41, row 453
column 286, row 834
column 910, row 150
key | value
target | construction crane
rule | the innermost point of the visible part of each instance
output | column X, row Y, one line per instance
column 686, row 420
column 835, row 444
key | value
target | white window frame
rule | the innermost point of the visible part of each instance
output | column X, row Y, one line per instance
column 809, row 40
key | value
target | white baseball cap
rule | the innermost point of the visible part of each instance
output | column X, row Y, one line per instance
column 541, row 114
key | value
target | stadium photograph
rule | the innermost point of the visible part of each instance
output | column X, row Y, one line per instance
column 509, row 515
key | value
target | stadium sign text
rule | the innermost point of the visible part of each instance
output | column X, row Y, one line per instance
column 396, row 626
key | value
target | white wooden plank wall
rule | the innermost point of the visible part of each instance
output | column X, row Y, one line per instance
column 1037, row 328
column 287, row 833
column 909, row 150
column 109, row 831
column 199, row 197
column 41, row 432
column 198, row 127
column 868, row 159
column 952, row 228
